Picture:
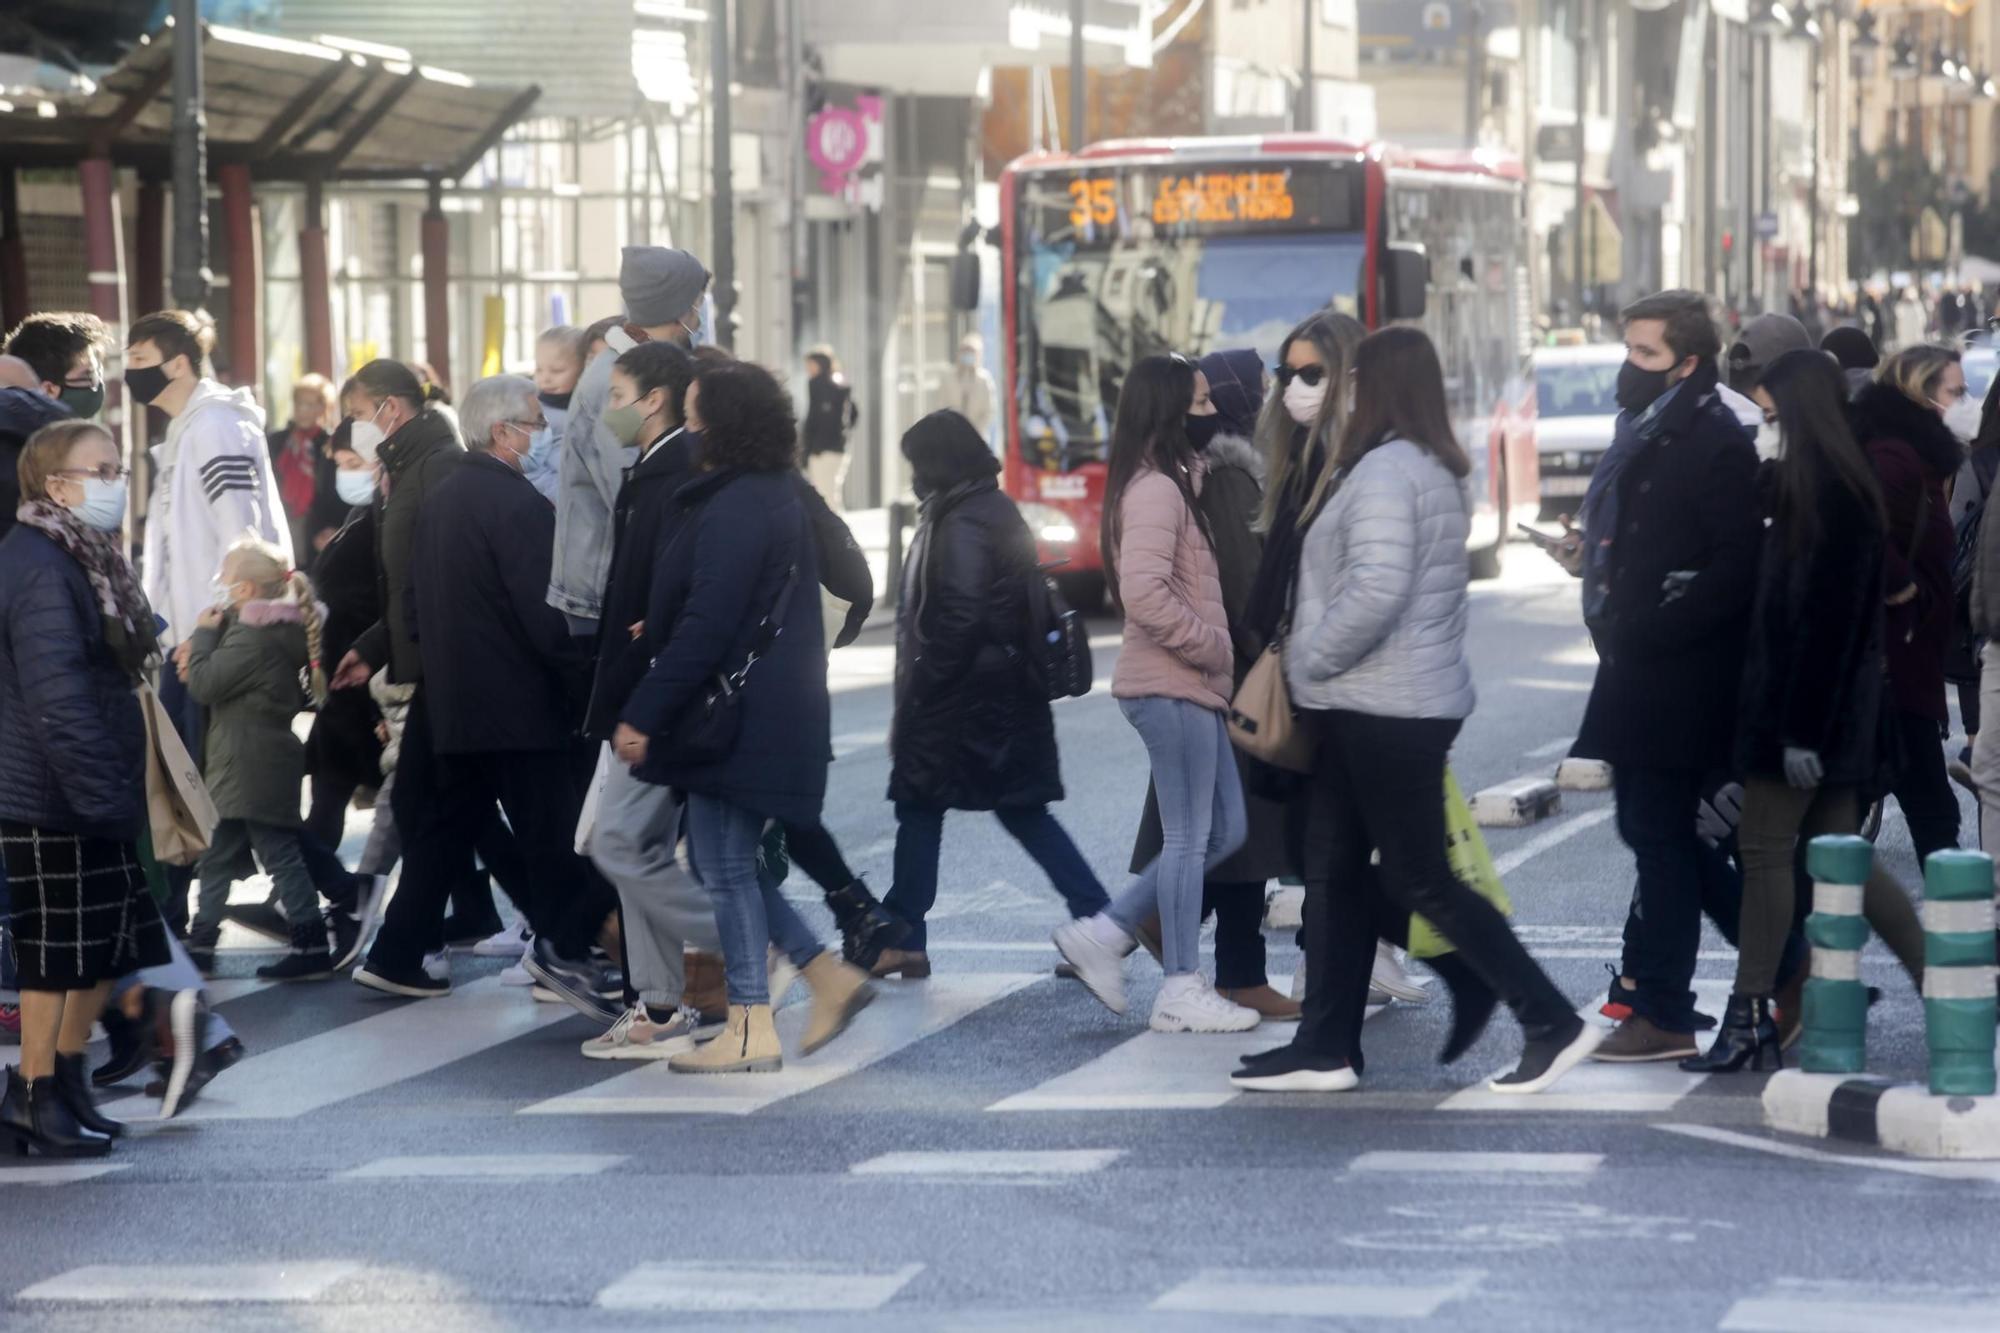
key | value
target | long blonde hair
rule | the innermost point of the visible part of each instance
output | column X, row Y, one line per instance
column 1334, row 336
column 260, row 564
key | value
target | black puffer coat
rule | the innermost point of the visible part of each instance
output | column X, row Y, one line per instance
column 1812, row 677
column 342, row 746
column 72, row 742
column 1914, row 455
column 415, row 460
column 972, row 730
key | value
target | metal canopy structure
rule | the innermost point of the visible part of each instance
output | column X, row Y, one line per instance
column 323, row 110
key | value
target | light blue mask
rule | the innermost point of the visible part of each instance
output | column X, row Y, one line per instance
column 354, row 488
column 103, row 506
column 540, row 445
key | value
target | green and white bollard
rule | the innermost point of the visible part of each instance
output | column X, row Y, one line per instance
column 1958, row 972
column 1836, row 1003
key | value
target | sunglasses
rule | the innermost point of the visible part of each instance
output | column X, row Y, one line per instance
column 1312, row 375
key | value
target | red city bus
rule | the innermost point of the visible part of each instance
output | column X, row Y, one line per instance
column 1135, row 247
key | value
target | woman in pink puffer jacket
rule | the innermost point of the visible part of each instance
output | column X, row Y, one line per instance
column 1173, row 683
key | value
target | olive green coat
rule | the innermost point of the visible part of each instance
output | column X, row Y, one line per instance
column 247, row 673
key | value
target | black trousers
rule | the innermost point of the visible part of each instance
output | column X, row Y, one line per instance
column 1378, row 785
column 814, row 851
column 442, row 802
column 1239, row 933
column 1680, row 878
column 1923, row 788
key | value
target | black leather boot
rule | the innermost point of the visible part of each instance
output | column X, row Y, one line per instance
column 1748, row 1036
column 866, row 927
column 1472, row 1004
column 34, row 1117
column 73, row 1086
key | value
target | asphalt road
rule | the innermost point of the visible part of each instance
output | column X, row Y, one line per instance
column 992, row 1149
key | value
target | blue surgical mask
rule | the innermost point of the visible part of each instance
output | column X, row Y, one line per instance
column 103, row 506
column 698, row 331
column 354, row 488
column 539, row 446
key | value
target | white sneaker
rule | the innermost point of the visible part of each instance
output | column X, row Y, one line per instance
column 780, row 973
column 1189, row 1003
column 439, row 964
column 1096, row 947
column 516, row 976
column 509, row 943
column 1388, row 978
column 635, row 1036
column 542, row 994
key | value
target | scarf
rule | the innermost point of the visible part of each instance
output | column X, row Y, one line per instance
column 1598, row 515
column 130, row 628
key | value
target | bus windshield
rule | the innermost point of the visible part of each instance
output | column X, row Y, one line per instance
column 1101, row 282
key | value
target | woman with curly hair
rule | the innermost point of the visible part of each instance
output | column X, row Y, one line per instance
column 735, row 609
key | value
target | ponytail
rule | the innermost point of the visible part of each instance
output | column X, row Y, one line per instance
column 301, row 590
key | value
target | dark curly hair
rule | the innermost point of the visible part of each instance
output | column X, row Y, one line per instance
column 746, row 419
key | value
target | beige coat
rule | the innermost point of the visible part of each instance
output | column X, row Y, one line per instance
column 1176, row 631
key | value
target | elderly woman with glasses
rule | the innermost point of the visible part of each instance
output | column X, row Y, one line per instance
column 76, row 632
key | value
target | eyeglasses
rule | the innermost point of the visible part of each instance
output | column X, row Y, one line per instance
column 1312, row 375
column 109, row 472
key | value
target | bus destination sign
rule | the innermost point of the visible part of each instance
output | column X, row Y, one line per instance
column 1101, row 206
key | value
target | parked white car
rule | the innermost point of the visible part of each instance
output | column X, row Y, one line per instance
column 1576, row 410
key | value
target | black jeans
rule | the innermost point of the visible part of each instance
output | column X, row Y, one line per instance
column 1239, row 933
column 442, row 804
column 1378, row 785
column 1680, row 878
column 814, row 851
column 190, row 719
column 1923, row 788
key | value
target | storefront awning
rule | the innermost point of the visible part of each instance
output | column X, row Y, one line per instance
column 328, row 109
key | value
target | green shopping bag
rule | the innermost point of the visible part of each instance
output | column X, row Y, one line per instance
column 1465, row 848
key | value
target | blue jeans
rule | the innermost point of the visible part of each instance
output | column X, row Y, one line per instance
column 723, row 840
column 920, row 834
column 1201, row 821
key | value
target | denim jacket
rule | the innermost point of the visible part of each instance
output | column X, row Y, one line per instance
column 593, row 467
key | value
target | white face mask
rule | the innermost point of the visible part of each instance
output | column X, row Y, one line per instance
column 1770, row 442
column 1963, row 418
column 367, row 436
column 1303, row 400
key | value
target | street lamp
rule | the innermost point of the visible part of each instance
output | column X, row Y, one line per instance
column 1903, row 59
column 1805, row 26
column 1865, row 37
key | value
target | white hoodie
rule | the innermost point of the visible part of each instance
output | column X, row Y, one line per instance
column 212, row 482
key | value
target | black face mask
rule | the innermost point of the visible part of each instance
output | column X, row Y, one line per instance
column 1639, row 387
column 1201, row 430
column 146, row 382
column 559, row 401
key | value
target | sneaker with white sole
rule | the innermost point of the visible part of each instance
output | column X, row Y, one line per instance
column 1543, row 1062
column 509, row 943
column 1188, row 1003
column 637, row 1036
column 1290, row 1070
column 1096, row 946
column 542, row 994
column 1388, row 978
column 517, row 976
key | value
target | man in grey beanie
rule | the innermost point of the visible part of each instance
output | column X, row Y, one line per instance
column 662, row 289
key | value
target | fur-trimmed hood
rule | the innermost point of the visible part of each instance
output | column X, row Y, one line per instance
column 259, row 612
column 1237, row 452
column 1882, row 411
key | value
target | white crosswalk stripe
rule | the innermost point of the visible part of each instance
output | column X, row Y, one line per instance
column 1796, row 1306
column 402, row 1042
column 1330, row 1294
column 900, row 1017
column 191, row 1284
column 717, row 1288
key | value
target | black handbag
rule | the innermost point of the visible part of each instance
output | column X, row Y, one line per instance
column 705, row 731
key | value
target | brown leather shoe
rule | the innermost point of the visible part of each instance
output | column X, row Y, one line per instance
column 910, row 964
column 1641, row 1041
column 1266, row 1001
column 705, row 989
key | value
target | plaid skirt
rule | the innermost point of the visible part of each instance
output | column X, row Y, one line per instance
column 80, row 910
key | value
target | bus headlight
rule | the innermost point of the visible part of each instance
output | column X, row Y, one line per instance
column 1049, row 524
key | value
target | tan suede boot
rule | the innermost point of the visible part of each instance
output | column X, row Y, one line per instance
column 839, row 992
column 705, row 990
column 748, row 1045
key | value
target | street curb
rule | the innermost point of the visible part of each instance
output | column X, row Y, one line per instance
column 1901, row 1117
column 1583, row 775
column 1516, row 804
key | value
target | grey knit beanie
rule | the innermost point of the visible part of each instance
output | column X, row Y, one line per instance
column 659, row 285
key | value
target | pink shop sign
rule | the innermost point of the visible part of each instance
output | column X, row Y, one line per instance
column 843, row 144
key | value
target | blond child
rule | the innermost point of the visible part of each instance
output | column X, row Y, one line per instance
column 558, row 365
column 245, row 664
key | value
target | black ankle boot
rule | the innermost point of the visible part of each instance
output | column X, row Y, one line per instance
column 866, row 927
column 1472, row 1004
column 34, row 1117
column 308, row 959
column 74, row 1088
column 1748, row 1036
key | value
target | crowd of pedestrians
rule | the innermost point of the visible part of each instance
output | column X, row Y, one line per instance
column 568, row 636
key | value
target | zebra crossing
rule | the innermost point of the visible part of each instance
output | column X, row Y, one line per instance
column 426, row 1047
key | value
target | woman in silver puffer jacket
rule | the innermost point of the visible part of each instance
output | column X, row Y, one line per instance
column 1376, row 665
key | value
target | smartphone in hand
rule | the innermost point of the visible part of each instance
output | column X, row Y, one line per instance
column 1547, row 541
